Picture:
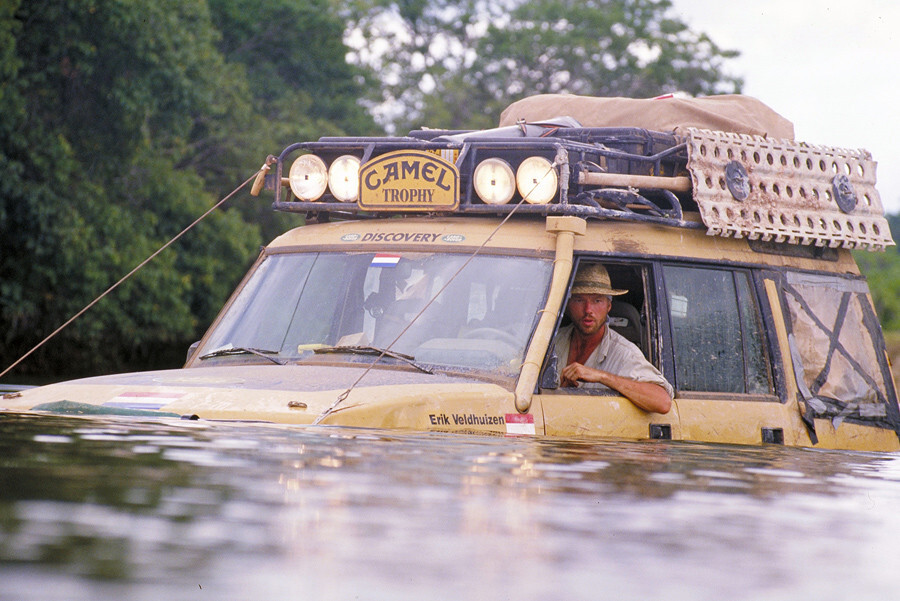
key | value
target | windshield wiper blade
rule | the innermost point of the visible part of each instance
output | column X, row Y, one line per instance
column 243, row 350
column 374, row 350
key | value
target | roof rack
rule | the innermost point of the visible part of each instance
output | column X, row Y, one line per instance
column 741, row 185
column 786, row 191
column 610, row 173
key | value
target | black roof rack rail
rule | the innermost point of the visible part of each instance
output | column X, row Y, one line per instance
column 626, row 151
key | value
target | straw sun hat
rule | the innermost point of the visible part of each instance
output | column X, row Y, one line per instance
column 594, row 279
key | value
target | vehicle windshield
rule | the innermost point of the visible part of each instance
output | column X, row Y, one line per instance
column 295, row 303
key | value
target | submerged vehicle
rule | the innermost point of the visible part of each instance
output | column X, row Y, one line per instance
column 431, row 276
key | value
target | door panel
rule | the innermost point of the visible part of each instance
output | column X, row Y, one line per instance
column 604, row 416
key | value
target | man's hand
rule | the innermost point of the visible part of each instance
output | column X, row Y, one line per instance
column 573, row 372
column 646, row 395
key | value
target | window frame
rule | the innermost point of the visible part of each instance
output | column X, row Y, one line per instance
column 769, row 344
column 652, row 332
column 231, row 311
column 871, row 325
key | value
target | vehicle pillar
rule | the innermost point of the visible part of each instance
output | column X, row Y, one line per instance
column 565, row 228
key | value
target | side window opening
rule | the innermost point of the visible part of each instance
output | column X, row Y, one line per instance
column 717, row 333
column 837, row 356
column 628, row 316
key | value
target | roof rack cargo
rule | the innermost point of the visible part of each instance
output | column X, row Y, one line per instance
column 740, row 180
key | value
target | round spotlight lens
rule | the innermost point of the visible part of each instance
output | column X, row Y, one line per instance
column 494, row 181
column 308, row 177
column 537, row 180
column 343, row 178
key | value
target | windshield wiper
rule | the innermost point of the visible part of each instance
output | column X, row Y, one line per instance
column 243, row 350
column 373, row 350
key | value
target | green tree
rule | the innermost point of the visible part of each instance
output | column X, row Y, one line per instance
column 457, row 64
column 299, row 86
column 121, row 121
column 882, row 270
column 295, row 64
column 101, row 102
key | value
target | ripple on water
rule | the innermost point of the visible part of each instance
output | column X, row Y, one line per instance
column 113, row 509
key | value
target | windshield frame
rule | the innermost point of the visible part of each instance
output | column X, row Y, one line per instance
column 471, row 266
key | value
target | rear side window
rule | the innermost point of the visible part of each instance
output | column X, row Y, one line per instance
column 717, row 331
column 836, row 351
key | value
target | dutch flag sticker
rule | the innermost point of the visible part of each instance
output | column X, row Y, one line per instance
column 385, row 260
column 519, row 425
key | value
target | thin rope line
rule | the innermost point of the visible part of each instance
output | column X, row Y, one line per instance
column 346, row 393
column 130, row 273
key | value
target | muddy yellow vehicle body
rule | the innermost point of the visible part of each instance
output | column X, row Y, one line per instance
column 419, row 297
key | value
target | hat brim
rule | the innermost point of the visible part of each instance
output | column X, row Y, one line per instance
column 588, row 289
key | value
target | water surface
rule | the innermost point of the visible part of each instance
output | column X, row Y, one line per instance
column 129, row 509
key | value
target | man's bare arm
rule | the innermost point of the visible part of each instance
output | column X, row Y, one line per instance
column 646, row 395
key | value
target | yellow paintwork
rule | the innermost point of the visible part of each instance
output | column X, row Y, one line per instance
column 409, row 180
column 853, row 437
column 414, row 407
column 601, row 416
column 565, row 228
column 446, row 407
column 714, row 420
column 530, row 235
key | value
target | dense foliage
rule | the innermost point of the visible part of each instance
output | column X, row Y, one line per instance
column 121, row 121
column 883, row 273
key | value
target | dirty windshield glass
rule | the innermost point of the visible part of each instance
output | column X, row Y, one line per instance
column 432, row 307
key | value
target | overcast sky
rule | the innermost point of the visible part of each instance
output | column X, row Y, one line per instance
column 833, row 68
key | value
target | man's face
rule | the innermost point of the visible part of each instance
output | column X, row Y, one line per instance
column 588, row 312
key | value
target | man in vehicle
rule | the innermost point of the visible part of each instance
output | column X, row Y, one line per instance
column 596, row 356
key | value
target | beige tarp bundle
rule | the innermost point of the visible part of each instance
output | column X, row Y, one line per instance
column 730, row 113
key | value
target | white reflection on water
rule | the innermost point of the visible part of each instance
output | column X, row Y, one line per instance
column 120, row 509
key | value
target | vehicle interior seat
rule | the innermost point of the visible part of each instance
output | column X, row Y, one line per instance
column 625, row 319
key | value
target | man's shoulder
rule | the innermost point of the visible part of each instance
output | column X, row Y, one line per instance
column 624, row 345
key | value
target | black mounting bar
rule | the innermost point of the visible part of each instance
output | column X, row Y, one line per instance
column 574, row 150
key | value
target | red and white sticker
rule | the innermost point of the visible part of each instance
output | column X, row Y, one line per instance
column 518, row 424
column 143, row 400
column 385, row 260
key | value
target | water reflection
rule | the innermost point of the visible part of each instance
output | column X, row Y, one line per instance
column 125, row 509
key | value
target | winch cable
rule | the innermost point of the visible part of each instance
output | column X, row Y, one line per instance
column 560, row 159
column 262, row 170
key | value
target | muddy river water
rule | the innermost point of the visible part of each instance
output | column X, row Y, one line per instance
column 125, row 509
